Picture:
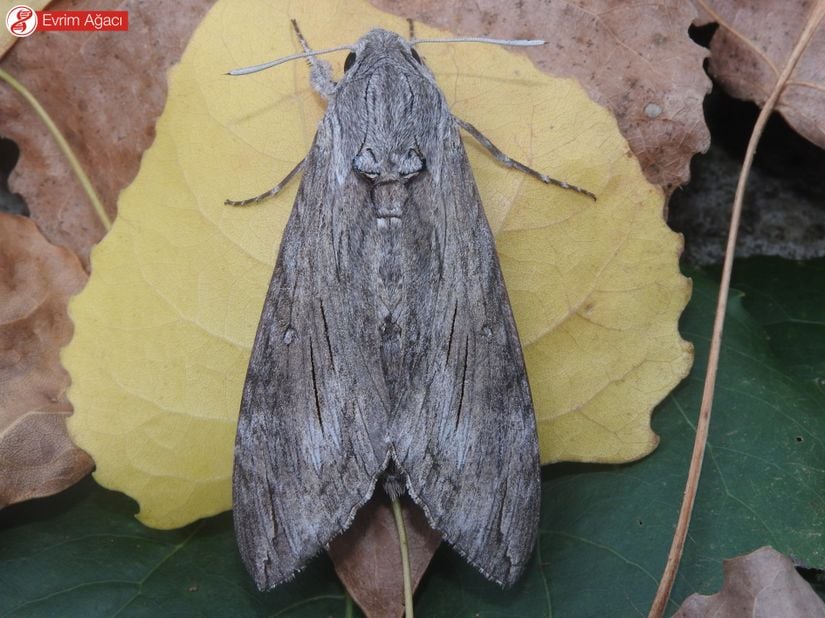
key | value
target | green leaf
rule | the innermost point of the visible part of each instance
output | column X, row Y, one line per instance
column 83, row 553
column 788, row 300
column 605, row 530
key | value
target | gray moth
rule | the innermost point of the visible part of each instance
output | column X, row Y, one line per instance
column 386, row 351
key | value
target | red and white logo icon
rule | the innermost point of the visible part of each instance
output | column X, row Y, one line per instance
column 21, row 20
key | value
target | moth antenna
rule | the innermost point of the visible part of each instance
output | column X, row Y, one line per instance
column 274, row 63
column 320, row 74
column 300, row 35
column 476, row 39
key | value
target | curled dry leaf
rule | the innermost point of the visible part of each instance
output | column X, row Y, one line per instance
column 635, row 58
column 104, row 90
column 762, row 584
column 752, row 46
column 36, row 280
column 367, row 557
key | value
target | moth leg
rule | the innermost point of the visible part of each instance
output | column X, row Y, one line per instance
column 320, row 74
column 411, row 26
column 272, row 192
column 512, row 163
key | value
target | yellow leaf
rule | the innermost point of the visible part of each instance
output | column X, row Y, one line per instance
column 165, row 325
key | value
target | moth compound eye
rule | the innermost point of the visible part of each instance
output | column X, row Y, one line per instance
column 366, row 164
column 413, row 163
column 349, row 61
column 415, row 55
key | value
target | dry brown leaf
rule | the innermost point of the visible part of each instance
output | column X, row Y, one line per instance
column 752, row 46
column 367, row 557
column 762, row 584
column 634, row 58
column 104, row 90
column 36, row 280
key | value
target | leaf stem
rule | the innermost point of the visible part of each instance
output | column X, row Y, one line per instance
column 348, row 608
column 405, row 557
column 669, row 575
column 63, row 145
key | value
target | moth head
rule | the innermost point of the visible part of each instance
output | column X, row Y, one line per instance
column 380, row 45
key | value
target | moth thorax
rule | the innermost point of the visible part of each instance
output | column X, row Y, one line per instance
column 388, row 199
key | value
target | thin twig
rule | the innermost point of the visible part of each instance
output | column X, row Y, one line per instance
column 675, row 555
column 405, row 557
column 63, row 145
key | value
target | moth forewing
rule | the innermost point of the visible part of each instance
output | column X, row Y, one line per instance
column 386, row 350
